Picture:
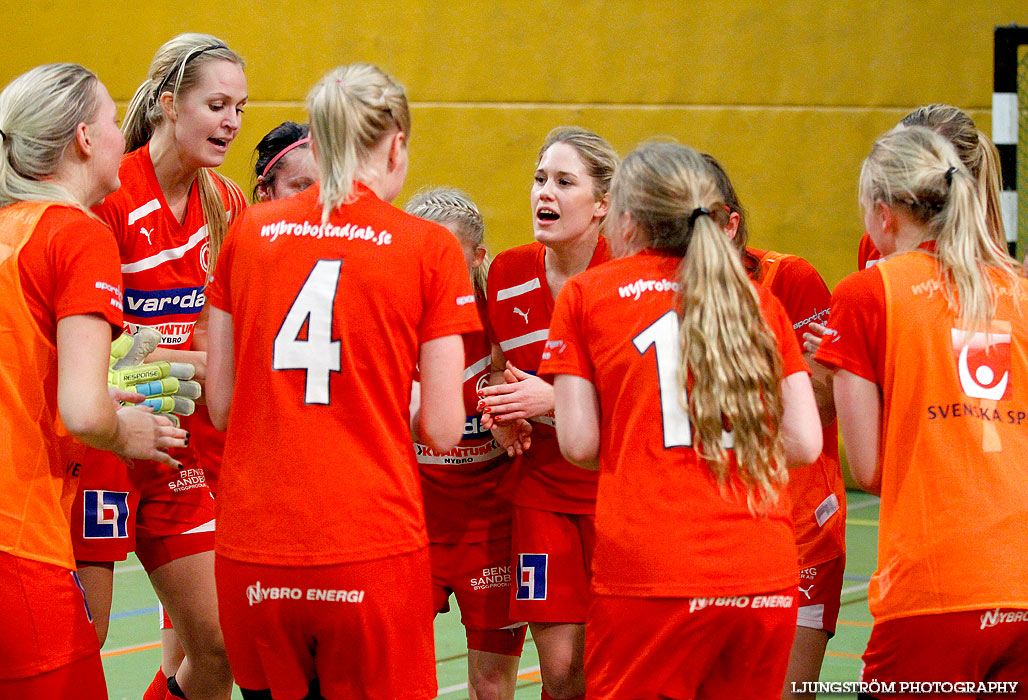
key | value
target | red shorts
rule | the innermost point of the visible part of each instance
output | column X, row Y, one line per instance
column 971, row 646
column 642, row 648
column 364, row 629
column 478, row 573
column 157, row 511
column 820, row 592
column 551, row 556
column 45, row 622
column 82, row 680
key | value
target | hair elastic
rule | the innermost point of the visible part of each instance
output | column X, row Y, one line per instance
column 949, row 175
column 697, row 213
column 294, row 144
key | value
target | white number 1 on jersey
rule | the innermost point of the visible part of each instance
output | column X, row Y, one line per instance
column 319, row 355
column 663, row 336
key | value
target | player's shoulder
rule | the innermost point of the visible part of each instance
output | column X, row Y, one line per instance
column 516, row 260
column 62, row 220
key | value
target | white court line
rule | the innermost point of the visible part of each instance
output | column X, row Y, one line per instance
column 854, row 589
column 464, row 686
column 127, row 569
column 874, row 501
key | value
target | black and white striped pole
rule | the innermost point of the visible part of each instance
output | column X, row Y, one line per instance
column 1005, row 120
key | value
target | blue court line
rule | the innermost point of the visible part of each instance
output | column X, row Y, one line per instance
column 855, row 577
column 133, row 613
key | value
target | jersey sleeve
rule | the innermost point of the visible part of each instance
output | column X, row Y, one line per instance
column 565, row 350
column 855, row 340
column 803, row 293
column 778, row 320
column 450, row 306
column 71, row 267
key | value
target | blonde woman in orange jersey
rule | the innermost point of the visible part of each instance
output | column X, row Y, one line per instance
column 324, row 304
column 60, row 305
column 683, row 382
column 976, row 152
column 930, row 351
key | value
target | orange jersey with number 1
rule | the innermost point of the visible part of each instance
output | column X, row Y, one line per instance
column 663, row 527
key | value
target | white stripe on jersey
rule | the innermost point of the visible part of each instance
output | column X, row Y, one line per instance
column 206, row 527
column 166, row 255
column 518, row 289
column 476, row 368
column 526, row 339
column 137, row 214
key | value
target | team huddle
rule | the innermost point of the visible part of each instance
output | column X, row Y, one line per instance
column 325, row 415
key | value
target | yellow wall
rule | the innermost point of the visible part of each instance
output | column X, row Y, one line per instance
column 789, row 95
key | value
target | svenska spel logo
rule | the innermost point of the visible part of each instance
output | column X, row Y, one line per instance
column 983, row 361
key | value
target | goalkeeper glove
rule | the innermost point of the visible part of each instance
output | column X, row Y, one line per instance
column 164, row 384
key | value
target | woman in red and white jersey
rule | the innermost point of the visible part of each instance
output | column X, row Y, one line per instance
column 976, row 152
column 467, row 507
column 817, row 491
column 60, row 304
column 684, row 380
column 554, row 500
column 930, row 351
column 283, row 167
column 169, row 219
column 323, row 306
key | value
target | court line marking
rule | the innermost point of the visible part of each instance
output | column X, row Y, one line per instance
column 131, row 649
column 865, row 523
column 854, row 623
column 133, row 613
column 128, row 569
column 872, row 501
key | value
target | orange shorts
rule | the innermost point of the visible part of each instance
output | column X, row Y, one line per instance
column 45, row 630
column 364, row 630
column 732, row 647
column 478, row 574
column 820, row 592
column 551, row 556
column 961, row 647
column 157, row 511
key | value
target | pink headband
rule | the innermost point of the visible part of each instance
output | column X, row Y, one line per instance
column 295, row 144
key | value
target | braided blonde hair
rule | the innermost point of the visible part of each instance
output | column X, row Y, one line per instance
column 449, row 205
column 177, row 68
column 727, row 349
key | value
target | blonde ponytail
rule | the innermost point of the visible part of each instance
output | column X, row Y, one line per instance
column 918, row 170
column 729, row 353
column 351, row 110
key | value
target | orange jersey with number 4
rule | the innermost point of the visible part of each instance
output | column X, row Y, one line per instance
column 328, row 320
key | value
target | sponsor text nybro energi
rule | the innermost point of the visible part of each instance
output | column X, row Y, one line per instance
column 257, row 593
column 885, row 688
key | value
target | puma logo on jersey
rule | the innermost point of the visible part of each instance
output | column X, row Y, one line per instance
column 523, row 314
column 145, row 232
column 806, row 591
